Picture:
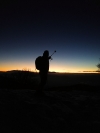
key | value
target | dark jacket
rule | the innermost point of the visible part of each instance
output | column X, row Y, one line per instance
column 45, row 64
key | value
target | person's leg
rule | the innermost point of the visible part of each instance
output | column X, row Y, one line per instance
column 43, row 78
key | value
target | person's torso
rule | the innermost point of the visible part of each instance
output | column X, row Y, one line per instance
column 45, row 64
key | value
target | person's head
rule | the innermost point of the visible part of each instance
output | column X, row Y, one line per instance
column 46, row 53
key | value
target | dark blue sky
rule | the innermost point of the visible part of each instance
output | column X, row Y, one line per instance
column 28, row 28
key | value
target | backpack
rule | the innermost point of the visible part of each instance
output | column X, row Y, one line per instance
column 38, row 62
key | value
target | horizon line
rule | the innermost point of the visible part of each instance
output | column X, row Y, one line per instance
column 55, row 71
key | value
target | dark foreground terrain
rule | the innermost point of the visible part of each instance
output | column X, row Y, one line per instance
column 72, row 107
column 70, row 110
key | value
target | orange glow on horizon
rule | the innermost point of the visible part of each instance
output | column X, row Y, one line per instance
column 55, row 69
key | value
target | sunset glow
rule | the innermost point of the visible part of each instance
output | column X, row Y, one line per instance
column 53, row 67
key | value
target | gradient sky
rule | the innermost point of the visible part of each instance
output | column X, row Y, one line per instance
column 71, row 28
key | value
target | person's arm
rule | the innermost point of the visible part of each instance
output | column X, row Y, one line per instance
column 49, row 58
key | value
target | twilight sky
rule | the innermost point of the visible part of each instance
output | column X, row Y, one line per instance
column 72, row 28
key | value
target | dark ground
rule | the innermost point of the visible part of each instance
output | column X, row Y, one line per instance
column 67, row 109
column 70, row 110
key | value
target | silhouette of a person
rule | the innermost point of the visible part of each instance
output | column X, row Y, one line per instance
column 44, row 69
